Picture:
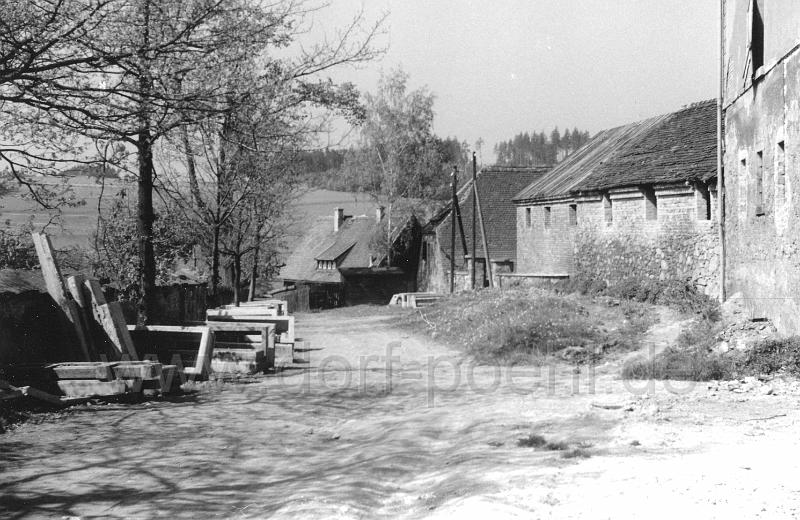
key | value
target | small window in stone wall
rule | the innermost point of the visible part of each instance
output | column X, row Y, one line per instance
column 573, row 214
column 756, row 37
column 650, row 203
column 528, row 217
column 780, row 174
column 608, row 209
column 759, row 195
column 547, row 216
column 703, row 199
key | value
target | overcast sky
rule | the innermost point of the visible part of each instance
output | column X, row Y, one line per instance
column 499, row 67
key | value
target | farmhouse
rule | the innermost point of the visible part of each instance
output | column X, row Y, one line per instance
column 342, row 263
column 496, row 186
column 636, row 202
column 761, row 59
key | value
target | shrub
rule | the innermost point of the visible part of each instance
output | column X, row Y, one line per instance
column 678, row 294
column 771, row 356
column 532, row 441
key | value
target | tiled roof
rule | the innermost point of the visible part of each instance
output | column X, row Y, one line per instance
column 350, row 246
column 496, row 187
column 681, row 146
column 335, row 251
column 301, row 264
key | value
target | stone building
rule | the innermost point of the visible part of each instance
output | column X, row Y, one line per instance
column 635, row 203
column 496, row 186
column 338, row 260
column 761, row 104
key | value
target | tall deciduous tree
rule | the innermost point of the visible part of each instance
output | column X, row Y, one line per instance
column 398, row 155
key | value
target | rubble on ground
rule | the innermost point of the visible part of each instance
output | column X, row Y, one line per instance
column 740, row 330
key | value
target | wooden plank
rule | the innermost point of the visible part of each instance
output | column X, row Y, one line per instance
column 170, row 328
column 91, row 387
column 95, row 292
column 257, row 312
column 204, row 353
column 56, row 289
column 49, row 267
column 109, row 316
column 284, row 354
column 282, row 323
column 137, row 370
column 75, row 285
column 87, row 370
column 239, row 344
column 237, row 354
column 238, row 326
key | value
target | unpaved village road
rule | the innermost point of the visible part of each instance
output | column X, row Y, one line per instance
column 336, row 442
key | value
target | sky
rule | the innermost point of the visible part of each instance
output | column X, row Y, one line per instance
column 500, row 67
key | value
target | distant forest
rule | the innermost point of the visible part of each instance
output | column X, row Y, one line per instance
column 537, row 149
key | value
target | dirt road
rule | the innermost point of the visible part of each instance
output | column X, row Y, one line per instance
column 423, row 435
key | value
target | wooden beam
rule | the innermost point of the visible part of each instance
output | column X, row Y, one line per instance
column 90, row 387
column 56, row 289
column 204, row 353
column 88, row 370
column 110, row 317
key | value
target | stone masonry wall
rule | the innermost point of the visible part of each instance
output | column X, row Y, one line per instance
column 762, row 202
column 675, row 246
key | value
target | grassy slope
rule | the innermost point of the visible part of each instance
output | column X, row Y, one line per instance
column 79, row 223
column 528, row 325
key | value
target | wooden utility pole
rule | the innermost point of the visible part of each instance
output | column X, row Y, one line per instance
column 487, row 262
column 474, row 217
column 453, row 231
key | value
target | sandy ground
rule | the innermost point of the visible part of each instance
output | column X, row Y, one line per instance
column 424, row 435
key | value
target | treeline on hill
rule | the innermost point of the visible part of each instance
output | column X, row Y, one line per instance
column 338, row 169
column 527, row 149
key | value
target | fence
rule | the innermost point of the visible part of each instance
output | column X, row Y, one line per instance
column 297, row 298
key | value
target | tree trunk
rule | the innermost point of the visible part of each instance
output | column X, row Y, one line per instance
column 146, row 216
column 237, row 278
column 215, row 264
column 253, row 274
column 191, row 168
column 144, row 148
column 389, row 234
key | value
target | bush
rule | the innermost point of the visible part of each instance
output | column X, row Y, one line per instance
column 682, row 364
column 771, row 356
column 677, row 294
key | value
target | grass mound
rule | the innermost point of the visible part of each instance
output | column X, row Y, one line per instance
column 695, row 358
column 519, row 326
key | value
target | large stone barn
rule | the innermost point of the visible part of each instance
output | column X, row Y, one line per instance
column 635, row 203
column 761, row 103
column 341, row 261
column 496, row 187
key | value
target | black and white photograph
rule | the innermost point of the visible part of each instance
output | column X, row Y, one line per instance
column 399, row 259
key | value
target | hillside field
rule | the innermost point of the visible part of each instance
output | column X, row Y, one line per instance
column 79, row 223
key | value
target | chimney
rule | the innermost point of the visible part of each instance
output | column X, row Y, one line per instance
column 338, row 219
column 379, row 213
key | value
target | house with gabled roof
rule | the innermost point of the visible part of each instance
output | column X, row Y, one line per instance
column 340, row 263
column 496, row 187
column 635, row 202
